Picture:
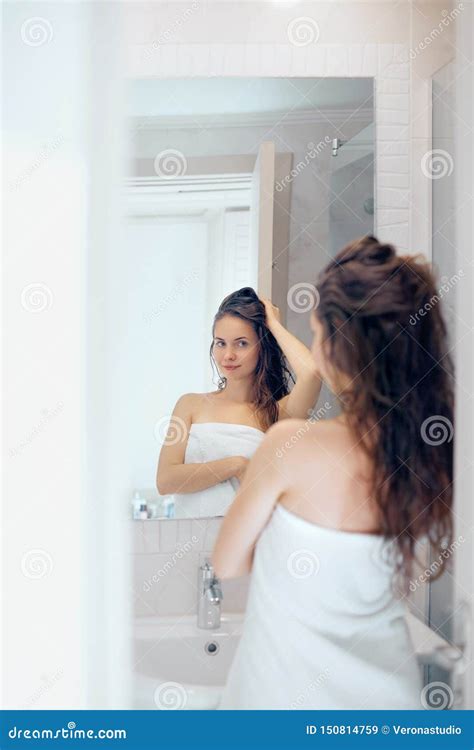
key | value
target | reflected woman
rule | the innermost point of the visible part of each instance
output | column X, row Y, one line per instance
column 328, row 514
column 212, row 436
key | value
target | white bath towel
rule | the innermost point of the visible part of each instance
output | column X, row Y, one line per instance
column 322, row 628
column 210, row 441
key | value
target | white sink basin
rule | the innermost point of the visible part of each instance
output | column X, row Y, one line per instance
column 174, row 668
column 180, row 666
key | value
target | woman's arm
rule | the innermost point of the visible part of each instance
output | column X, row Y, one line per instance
column 173, row 475
column 307, row 388
column 262, row 485
column 184, row 478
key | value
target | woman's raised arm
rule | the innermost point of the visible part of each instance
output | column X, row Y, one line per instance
column 307, row 387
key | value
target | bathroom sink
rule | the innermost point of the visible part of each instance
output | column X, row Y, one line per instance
column 180, row 666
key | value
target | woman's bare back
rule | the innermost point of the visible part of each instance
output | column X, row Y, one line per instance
column 328, row 477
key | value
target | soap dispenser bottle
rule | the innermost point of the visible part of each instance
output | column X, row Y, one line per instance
column 136, row 505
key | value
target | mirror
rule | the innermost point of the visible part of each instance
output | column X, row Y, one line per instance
column 234, row 183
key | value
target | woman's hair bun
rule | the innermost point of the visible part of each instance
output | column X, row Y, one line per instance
column 374, row 253
column 247, row 291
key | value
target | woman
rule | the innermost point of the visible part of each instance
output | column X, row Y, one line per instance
column 328, row 514
column 212, row 435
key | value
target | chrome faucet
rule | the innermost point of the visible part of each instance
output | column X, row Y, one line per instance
column 209, row 598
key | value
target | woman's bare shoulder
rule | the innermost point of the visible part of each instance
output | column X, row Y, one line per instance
column 193, row 403
column 320, row 430
column 327, row 475
column 299, row 440
column 186, row 405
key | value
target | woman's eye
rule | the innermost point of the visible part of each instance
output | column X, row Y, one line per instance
column 244, row 343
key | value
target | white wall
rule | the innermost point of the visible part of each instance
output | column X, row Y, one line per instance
column 165, row 583
column 167, row 279
column 380, row 39
column 59, row 537
column 45, row 151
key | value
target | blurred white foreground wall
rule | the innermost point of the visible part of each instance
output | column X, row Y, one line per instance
column 64, row 557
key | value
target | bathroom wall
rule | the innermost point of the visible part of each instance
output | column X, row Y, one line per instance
column 166, row 283
column 445, row 249
column 432, row 45
column 65, row 563
column 353, row 217
column 165, row 567
column 400, row 45
column 311, row 196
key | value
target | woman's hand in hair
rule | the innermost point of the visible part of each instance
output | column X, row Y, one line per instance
column 272, row 312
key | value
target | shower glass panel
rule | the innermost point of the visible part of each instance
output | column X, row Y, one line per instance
column 440, row 591
column 351, row 196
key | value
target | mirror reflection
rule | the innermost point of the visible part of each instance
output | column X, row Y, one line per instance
column 213, row 435
column 242, row 190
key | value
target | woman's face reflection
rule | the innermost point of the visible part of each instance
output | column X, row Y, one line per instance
column 235, row 348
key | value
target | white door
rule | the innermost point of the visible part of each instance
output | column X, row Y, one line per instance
column 261, row 216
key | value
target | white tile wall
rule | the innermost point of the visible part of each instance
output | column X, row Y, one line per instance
column 388, row 64
column 165, row 564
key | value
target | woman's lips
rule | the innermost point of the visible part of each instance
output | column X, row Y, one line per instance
column 230, row 367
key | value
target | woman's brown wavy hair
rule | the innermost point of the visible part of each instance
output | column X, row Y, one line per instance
column 272, row 374
column 383, row 327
